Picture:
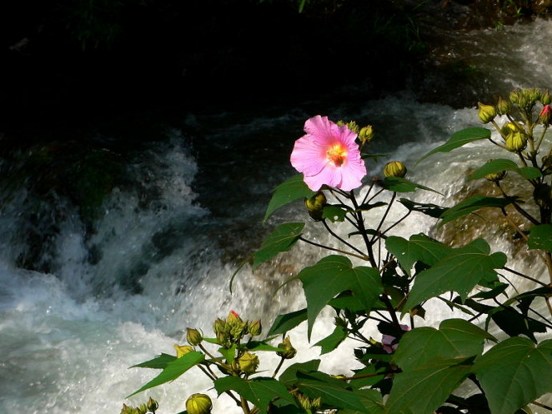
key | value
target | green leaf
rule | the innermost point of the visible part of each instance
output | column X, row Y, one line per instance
column 455, row 339
column 332, row 391
column 159, row 362
column 173, row 370
column 423, row 389
column 513, row 323
column 334, row 213
column 333, row 275
column 280, row 240
column 287, row 322
column 259, row 391
column 460, row 271
column 402, row 185
column 514, row 373
column 289, row 376
column 459, row 139
column 472, row 204
column 332, row 341
column 371, row 400
column 419, row 248
column 499, row 165
column 291, row 190
column 431, row 210
column 540, row 237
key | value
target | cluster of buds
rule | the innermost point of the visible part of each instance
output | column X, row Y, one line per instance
column 199, row 404
column 149, row 407
column 365, row 134
column 232, row 330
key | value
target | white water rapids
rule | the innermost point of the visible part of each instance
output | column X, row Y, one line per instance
column 69, row 335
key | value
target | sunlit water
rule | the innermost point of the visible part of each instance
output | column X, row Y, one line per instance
column 160, row 256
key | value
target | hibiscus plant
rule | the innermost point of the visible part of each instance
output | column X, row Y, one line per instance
column 489, row 355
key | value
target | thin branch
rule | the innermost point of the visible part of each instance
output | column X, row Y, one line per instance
column 363, row 257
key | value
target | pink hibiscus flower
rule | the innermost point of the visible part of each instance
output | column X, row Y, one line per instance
column 328, row 154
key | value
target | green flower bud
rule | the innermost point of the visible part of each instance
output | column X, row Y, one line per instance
column 503, row 106
column 193, row 336
column 315, row 205
column 152, row 405
column 508, row 128
column 516, row 142
column 486, row 113
column 287, row 350
column 182, row 350
column 366, row 134
column 128, row 410
column 255, row 328
column 220, row 330
column 199, row 404
column 394, row 169
column 515, row 96
column 533, row 95
column 496, row 177
column 248, row 363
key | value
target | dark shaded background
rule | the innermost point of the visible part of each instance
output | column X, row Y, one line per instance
column 73, row 62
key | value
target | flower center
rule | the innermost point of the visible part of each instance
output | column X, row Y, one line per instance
column 337, row 154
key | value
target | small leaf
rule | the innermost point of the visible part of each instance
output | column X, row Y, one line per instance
column 173, row 370
column 332, row 341
column 514, row 323
column 291, row 190
column 419, row 248
column 280, row 240
column 159, row 362
column 333, row 275
column 540, row 237
column 459, row 139
column 431, row 210
column 402, row 185
column 334, row 213
column 287, row 322
column 514, row 373
column 460, row 271
column 472, row 204
column 259, row 391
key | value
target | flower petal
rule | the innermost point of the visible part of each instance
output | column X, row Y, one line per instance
column 307, row 156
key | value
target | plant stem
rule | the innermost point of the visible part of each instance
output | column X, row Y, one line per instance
column 282, row 359
column 524, row 276
column 362, row 229
column 345, row 242
column 384, row 217
column 541, row 405
column 245, row 406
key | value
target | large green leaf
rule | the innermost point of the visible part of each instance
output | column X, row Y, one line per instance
column 280, row 240
column 291, row 190
column 372, row 401
column 499, row 165
column 474, row 203
column 287, row 322
column 425, row 388
column 540, row 237
column 331, row 390
column 460, row 271
column 259, row 391
column 174, row 369
column 419, row 248
column 333, row 275
column 289, row 376
column 455, row 339
column 514, row 373
column 459, row 139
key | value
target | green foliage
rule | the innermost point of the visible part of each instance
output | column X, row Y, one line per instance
column 379, row 299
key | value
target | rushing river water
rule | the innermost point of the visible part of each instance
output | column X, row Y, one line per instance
column 102, row 293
